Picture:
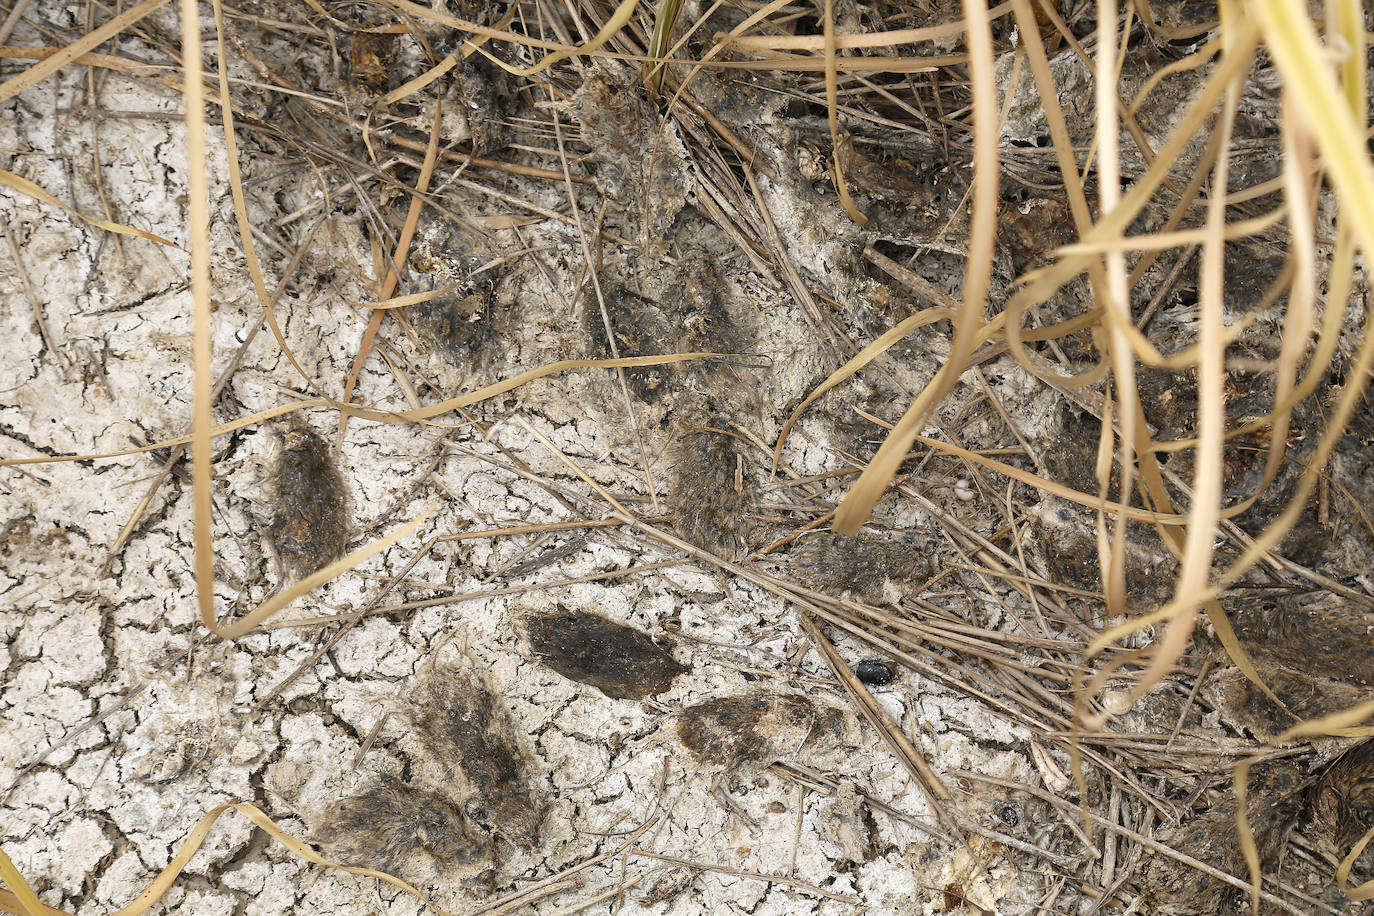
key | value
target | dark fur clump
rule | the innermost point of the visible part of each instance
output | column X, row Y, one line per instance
column 1341, row 805
column 695, row 297
column 1313, row 653
column 1273, row 802
column 641, row 329
column 742, row 731
column 459, row 323
column 863, row 564
column 402, row 831
column 310, row 528
column 471, row 735
column 620, row 661
column 711, row 498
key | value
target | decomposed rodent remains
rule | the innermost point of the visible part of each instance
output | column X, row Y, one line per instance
column 1174, row 887
column 459, row 323
column 868, row 565
column 710, row 498
column 620, row 661
column 744, row 732
column 403, row 831
column 472, row 737
column 309, row 530
column 641, row 329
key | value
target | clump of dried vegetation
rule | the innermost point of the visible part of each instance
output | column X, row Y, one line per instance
column 1158, row 210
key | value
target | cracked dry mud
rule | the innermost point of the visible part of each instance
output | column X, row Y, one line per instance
column 124, row 726
column 474, row 745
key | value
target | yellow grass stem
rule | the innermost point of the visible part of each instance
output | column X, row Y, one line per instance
column 858, row 504
column 198, row 234
column 832, row 115
column 91, row 40
column 390, row 416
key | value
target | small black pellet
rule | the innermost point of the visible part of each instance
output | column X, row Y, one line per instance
column 874, row 673
column 1010, row 816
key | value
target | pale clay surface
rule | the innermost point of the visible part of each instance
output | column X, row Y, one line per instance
column 92, row 824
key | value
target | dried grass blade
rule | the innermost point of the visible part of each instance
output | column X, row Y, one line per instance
column 24, row 186
column 198, row 235
column 1191, row 62
column 859, row 503
column 618, row 19
column 1114, row 297
column 1300, row 312
column 93, row 39
column 1301, row 61
column 1160, row 241
column 374, row 323
column 1114, row 224
column 832, row 116
column 131, row 68
column 248, row 622
column 221, row 430
column 397, row 302
column 1364, row 891
column 892, row 735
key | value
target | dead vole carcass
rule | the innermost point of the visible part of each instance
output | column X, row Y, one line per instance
column 403, row 831
column 686, row 315
column 638, row 159
column 459, row 323
column 887, row 176
column 471, row 736
column 695, row 298
column 711, row 500
column 1341, row 807
column 868, row 565
column 620, row 661
column 1273, row 802
column 309, row 529
column 1313, row 653
column 1068, row 535
column 641, row 329
column 747, row 733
